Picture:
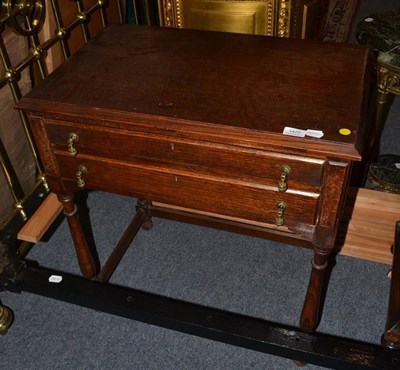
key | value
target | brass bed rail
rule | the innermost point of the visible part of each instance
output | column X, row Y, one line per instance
column 27, row 19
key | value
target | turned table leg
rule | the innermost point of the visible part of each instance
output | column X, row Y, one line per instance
column 143, row 205
column 311, row 309
column 86, row 261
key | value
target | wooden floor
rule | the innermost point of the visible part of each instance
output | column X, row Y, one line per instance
column 367, row 230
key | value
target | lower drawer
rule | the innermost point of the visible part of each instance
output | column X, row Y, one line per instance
column 204, row 193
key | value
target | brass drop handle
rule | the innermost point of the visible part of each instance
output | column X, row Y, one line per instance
column 72, row 139
column 285, row 171
column 79, row 180
column 279, row 220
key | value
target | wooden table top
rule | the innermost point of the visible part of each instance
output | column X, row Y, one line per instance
column 243, row 82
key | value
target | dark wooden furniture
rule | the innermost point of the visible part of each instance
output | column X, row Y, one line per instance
column 191, row 123
column 381, row 34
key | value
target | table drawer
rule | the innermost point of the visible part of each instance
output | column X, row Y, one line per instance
column 226, row 161
column 191, row 190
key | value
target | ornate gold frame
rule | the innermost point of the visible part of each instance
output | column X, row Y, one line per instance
column 282, row 18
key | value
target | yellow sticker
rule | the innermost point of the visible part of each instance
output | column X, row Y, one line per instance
column 344, row 131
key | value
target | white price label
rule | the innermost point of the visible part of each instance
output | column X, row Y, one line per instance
column 55, row 279
column 291, row 131
column 314, row 133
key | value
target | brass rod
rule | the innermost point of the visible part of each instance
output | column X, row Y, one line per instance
column 6, row 165
column 120, row 12
column 27, row 23
column 12, row 181
column 42, row 67
column 92, row 9
column 10, row 175
column 83, row 19
column 61, row 34
column 50, row 42
column 23, row 249
column 38, row 55
column 76, row 22
column 16, row 92
column 9, row 15
column 24, row 63
column 28, row 60
column 7, row 62
column 103, row 17
column 13, row 213
column 3, row 54
column 103, row 14
column 4, row 19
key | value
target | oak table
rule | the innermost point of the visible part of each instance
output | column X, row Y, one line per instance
column 244, row 133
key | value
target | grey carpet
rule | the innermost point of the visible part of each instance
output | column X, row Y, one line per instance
column 223, row 270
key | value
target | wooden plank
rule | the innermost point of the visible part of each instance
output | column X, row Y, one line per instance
column 41, row 220
column 367, row 231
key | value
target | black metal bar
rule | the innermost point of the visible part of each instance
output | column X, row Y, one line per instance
column 239, row 330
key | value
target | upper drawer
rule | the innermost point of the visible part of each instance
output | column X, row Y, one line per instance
column 227, row 161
